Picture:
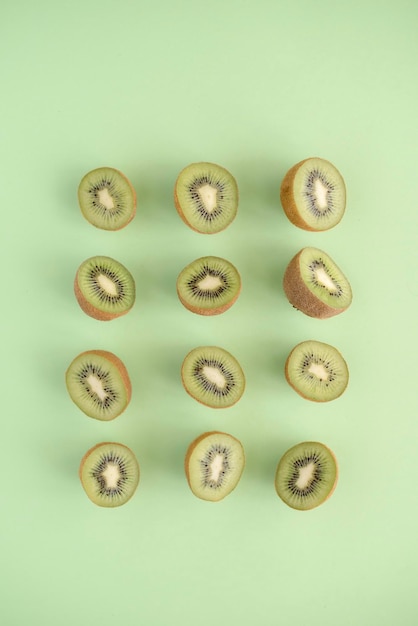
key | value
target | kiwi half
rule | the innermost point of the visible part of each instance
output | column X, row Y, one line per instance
column 99, row 384
column 209, row 285
column 316, row 371
column 306, row 475
column 315, row 285
column 212, row 376
column 313, row 194
column 104, row 288
column 107, row 199
column 214, row 464
column 109, row 473
column 206, row 197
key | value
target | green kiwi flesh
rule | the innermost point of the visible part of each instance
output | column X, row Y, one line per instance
column 107, row 199
column 206, row 197
column 313, row 195
column 209, row 285
column 214, row 464
column 306, row 475
column 109, row 474
column 104, row 288
column 98, row 383
column 314, row 284
column 212, row 376
column 316, row 371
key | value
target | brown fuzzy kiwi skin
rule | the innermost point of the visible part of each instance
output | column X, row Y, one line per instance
column 183, row 217
column 208, row 312
column 288, row 201
column 286, row 371
column 134, row 197
column 91, row 310
column 337, row 472
column 193, row 445
column 301, row 297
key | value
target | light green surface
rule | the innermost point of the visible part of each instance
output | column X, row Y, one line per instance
column 149, row 87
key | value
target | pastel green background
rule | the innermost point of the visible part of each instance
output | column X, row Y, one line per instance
column 149, row 87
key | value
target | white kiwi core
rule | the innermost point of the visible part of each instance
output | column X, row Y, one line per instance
column 111, row 475
column 321, row 194
column 214, row 376
column 324, row 278
column 96, row 386
column 208, row 195
column 210, row 283
column 106, row 199
column 305, row 476
column 107, row 284
column 318, row 370
column 216, row 467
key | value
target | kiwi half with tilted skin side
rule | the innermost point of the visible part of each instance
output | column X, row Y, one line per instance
column 107, row 199
column 213, row 377
column 316, row 371
column 208, row 286
column 104, row 288
column 313, row 195
column 206, row 197
column 99, row 384
column 315, row 285
column 109, row 474
column 214, row 464
column 306, row 475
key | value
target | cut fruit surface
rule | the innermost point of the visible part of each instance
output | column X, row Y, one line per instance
column 316, row 371
column 306, row 475
column 212, row 376
column 209, row 285
column 206, row 197
column 99, row 384
column 214, row 464
column 109, row 474
column 104, row 288
column 106, row 198
column 314, row 284
column 313, row 194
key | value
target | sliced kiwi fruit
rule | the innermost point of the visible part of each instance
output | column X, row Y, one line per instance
column 206, row 197
column 104, row 288
column 99, row 384
column 306, row 475
column 212, row 376
column 214, row 464
column 107, row 199
column 316, row 371
column 109, row 473
column 313, row 194
column 209, row 285
column 314, row 284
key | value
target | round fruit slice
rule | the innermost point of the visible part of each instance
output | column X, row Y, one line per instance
column 313, row 195
column 214, row 464
column 213, row 377
column 109, row 473
column 317, row 371
column 315, row 285
column 99, row 384
column 206, row 197
column 209, row 285
column 104, row 288
column 306, row 475
column 107, row 198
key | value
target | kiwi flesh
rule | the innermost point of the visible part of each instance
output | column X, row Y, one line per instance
column 99, row 384
column 306, row 475
column 314, row 284
column 107, row 199
column 316, row 371
column 313, row 195
column 214, row 464
column 208, row 286
column 109, row 474
column 104, row 288
column 213, row 377
column 206, row 197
